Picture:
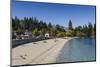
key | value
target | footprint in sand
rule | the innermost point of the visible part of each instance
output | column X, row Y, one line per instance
column 34, row 43
column 44, row 41
column 23, row 56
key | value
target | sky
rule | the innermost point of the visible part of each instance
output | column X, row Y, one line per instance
column 55, row 13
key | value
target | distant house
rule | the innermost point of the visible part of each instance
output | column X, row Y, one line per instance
column 16, row 35
column 21, row 35
column 28, row 34
column 47, row 35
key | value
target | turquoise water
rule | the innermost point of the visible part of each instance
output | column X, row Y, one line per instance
column 78, row 49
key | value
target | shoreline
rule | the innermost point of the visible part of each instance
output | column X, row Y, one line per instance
column 40, row 52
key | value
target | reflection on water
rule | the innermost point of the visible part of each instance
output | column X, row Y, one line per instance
column 78, row 49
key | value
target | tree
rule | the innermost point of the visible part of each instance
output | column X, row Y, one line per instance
column 16, row 23
column 79, row 33
column 50, row 25
column 35, row 23
column 70, row 33
column 94, row 29
column 30, row 23
column 39, row 27
column 43, row 31
column 35, row 32
column 70, row 30
column 22, row 25
column 70, row 25
column 85, row 30
column 50, row 28
column 90, row 29
column 61, row 34
column 13, row 24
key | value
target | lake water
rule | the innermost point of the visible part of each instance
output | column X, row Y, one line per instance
column 78, row 49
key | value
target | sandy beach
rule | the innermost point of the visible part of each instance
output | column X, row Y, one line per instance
column 41, row 52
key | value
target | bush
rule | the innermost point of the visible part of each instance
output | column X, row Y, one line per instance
column 70, row 33
column 61, row 34
column 36, row 32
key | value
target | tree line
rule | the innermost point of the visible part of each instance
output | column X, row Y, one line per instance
column 39, row 27
column 81, row 31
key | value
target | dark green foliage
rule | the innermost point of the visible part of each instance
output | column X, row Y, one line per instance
column 70, row 25
column 70, row 31
column 81, row 31
column 94, row 29
column 37, row 27
column 36, row 32
column 90, row 29
column 61, row 34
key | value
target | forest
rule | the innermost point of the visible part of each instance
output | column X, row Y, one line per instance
column 39, row 27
